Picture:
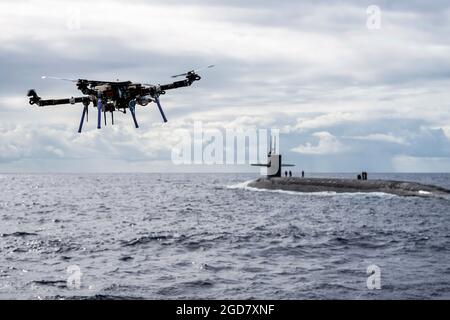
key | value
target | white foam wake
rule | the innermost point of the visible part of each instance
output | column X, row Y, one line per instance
column 241, row 185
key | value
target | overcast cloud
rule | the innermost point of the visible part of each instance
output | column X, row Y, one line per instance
column 346, row 98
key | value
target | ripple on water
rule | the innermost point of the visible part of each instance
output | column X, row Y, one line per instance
column 191, row 236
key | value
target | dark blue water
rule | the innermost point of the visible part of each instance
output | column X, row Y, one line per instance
column 192, row 236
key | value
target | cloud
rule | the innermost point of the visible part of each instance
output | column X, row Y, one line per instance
column 446, row 131
column 60, row 142
column 327, row 144
column 308, row 68
column 381, row 137
column 406, row 163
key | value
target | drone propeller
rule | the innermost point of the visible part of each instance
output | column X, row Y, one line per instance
column 193, row 71
column 56, row 78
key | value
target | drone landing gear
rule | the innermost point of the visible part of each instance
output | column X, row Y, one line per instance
column 99, row 115
column 85, row 113
column 160, row 109
column 132, row 106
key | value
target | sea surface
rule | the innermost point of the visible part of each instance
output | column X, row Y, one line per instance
column 205, row 236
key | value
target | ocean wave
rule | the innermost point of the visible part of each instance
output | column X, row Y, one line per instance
column 18, row 234
column 51, row 283
column 177, row 236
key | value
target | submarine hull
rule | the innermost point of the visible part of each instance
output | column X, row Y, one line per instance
column 400, row 188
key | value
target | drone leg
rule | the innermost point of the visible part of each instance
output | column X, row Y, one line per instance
column 160, row 109
column 99, row 109
column 82, row 118
column 104, row 116
column 112, row 118
column 132, row 106
column 87, row 114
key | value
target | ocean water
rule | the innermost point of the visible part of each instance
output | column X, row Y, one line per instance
column 205, row 236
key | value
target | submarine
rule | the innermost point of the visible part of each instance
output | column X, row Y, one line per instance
column 272, row 180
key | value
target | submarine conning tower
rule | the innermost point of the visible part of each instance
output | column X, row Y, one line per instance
column 272, row 168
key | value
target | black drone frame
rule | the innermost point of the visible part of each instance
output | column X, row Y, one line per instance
column 115, row 96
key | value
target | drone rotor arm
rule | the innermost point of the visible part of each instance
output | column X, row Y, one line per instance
column 180, row 84
column 35, row 99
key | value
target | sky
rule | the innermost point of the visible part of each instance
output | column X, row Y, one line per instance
column 347, row 93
